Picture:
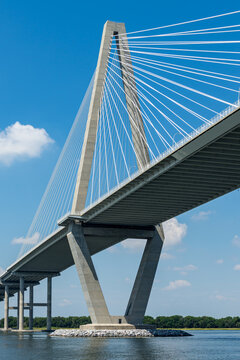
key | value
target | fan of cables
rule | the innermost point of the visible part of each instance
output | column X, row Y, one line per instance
column 182, row 82
column 180, row 79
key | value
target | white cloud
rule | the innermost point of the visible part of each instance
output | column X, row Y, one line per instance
column 236, row 240
column 220, row 261
column 19, row 141
column 201, row 215
column 65, row 302
column 166, row 256
column 28, row 240
column 186, row 268
column 173, row 285
column 134, row 244
column 237, row 267
column 1, row 270
column 174, row 232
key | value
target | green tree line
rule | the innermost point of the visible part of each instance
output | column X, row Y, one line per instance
column 164, row 322
column 177, row 321
column 59, row 321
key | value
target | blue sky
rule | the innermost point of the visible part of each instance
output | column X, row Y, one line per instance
column 49, row 51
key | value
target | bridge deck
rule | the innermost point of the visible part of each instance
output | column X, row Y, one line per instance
column 201, row 170
column 205, row 168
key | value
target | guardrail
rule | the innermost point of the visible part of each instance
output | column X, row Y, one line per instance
column 217, row 118
column 201, row 128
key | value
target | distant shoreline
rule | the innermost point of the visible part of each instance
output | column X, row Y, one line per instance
column 160, row 322
column 43, row 329
column 205, row 329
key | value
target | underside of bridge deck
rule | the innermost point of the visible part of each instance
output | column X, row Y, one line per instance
column 54, row 255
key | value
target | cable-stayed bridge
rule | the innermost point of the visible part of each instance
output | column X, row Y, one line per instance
column 157, row 134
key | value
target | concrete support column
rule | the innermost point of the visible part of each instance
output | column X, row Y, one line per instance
column 30, row 307
column 49, row 303
column 18, row 310
column 21, row 304
column 6, row 307
column 90, row 284
column 143, row 283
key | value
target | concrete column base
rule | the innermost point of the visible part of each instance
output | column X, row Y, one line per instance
column 115, row 327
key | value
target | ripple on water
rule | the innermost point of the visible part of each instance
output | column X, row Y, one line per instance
column 204, row 345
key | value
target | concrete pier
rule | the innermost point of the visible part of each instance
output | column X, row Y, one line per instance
column 91, row 288
column 30, row 307
column 21, row 303
column 18, row 309
column 6, row 307
column 143, row 283
column 49, row 303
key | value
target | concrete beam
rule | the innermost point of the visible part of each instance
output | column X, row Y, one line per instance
column 35, row 273
column 16, row 308
column 118, row 232
column 15, row 285
column 36, row 304
column 67, row 219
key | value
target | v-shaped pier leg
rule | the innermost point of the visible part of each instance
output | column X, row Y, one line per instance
column 143, row 283
column 90, row 284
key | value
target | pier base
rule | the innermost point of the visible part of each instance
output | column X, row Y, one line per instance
column 116, row 327
column 107, row 327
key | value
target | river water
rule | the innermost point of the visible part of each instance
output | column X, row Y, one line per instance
column 204, row 345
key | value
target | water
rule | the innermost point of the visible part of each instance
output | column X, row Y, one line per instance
column 204, row 345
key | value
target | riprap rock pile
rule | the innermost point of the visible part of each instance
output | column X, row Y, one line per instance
column 118, row 333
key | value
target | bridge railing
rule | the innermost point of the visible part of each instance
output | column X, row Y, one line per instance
column 217, row 118
column 203, row 127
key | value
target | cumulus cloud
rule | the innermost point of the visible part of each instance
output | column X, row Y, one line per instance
column 134, row 244
column 173, row 285
column 220, row 261
column 174, row 232
column 19, row 141
column 201, row 215
column 236, row 240
column 185, row 269
column 237, row 267
column 31, row 240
